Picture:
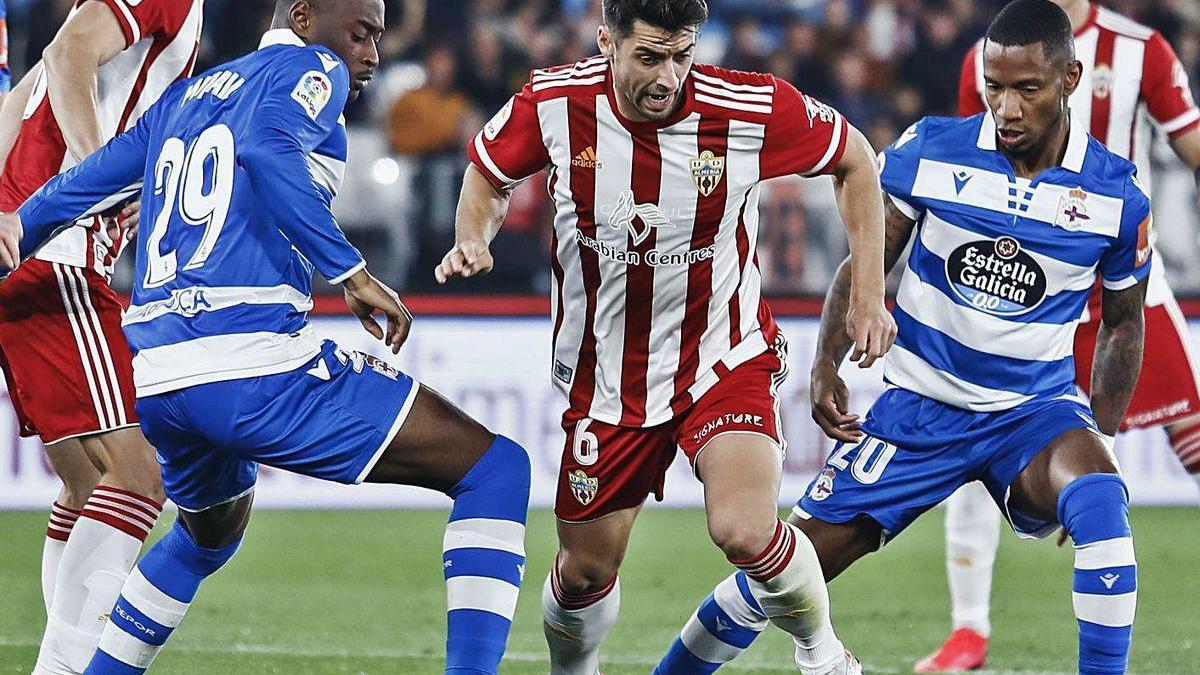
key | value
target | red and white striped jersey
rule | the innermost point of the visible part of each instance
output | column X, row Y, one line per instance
column 656, row 288
column 1131, row 77
column 161, row 39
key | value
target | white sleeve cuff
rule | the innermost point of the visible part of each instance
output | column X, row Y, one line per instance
column 904, row 207
column 349, row 273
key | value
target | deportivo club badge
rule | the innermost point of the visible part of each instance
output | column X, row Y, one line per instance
column 1072, row 211
column 582, row 486
column 707, row 170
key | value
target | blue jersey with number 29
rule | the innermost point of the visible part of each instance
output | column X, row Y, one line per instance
column 237, row 169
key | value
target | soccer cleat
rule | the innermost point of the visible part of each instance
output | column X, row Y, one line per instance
column 847, row 666
column 963, row 651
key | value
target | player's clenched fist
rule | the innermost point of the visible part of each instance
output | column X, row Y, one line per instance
column 873, row 330
column 466, row 259
column 11, row 231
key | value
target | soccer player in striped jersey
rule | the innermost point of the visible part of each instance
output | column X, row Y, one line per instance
column 661, row 337
column 240, row 167
column 64, row 357
column 1131, row 81
column 1017, row 214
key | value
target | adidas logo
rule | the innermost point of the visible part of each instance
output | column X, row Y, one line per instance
column 587, row 159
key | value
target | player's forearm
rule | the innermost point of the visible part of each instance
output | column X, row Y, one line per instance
column 13, row 110
column 1118, row 359
column 481, row 209
column 1187, row 148
column 72, row 86
column 833, row 341
column 856, row 186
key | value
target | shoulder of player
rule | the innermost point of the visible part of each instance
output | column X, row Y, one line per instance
column 936, row 131
column 1109, row 173
column 582, row 78
column 1106, row 19
column 738, row 94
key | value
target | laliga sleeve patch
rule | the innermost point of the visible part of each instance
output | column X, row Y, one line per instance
column 494, row 125
column 313, row 92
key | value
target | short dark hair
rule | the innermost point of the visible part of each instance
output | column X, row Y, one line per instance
column 669, row 15
column 1025, row 22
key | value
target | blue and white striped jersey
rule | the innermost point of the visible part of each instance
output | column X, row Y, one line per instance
column 239, row 167
column 1001, row 266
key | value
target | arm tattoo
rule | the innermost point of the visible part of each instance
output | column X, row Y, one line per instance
column 833, row 342
column 1118, row 355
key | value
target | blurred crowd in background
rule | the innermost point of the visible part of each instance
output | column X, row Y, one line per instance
column 448, row 65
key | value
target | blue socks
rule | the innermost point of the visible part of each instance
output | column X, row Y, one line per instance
column 153, row 602
column 484, row 558
column 724, row 626
column 1095, row 511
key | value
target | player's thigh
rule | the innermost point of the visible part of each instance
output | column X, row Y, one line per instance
column 741, row 472
column 839, row 545
column 78, row 472
column 1070, row 455
column 436, row 446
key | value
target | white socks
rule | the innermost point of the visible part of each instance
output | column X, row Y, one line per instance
column 62, row 521
column 972, row 537
column 576, row 626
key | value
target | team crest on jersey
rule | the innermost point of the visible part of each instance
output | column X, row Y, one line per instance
column 823, row 488
column 1102, row 81
column 1072, row 211
column 996, row 277
column 583, row 486
column 707, row 170
column 313, row 92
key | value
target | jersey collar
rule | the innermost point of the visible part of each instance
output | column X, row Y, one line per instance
column 281, row 36
column 1077, row 142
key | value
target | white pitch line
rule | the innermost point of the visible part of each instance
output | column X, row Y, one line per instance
column 746, row 664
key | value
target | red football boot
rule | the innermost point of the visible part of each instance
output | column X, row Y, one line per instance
column 964, row 650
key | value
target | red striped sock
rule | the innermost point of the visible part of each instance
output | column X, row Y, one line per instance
column 571, row 602
column 126, row 511
column 1186, row 442
column 774, row 558
column 62, row 521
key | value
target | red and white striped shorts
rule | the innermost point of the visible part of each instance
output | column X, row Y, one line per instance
column 67, row 364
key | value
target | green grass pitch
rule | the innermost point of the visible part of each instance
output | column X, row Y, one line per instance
column 361, row 593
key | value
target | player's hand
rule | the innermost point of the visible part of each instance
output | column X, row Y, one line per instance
column 129, row 218
column 466, row 259
column 366, row 295
column 11, row 231
column 831, row 404
column 873, row 330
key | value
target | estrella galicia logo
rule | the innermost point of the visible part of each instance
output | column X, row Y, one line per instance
column 996, row 276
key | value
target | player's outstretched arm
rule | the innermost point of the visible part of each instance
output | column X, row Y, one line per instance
column 91, row 37
column 830, row 397
column 856, row 185
column 1118, row 358
column 1187, row 147
column 13, row 109
column 481, row 211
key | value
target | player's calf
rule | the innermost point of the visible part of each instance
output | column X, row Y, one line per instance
column 1094, row 510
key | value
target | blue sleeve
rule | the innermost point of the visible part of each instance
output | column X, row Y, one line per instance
column 105, row 178
column 1128, row 258
column 299, row 112
column 898, row 170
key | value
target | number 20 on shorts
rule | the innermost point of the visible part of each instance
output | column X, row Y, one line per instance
column 871, row 458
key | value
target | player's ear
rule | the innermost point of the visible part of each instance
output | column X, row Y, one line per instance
column 604, row 40
column 301, row 17
column 1071, row 80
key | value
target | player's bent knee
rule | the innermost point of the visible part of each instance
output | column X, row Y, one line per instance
column 741, row 538
column 220, row 526
column 1095, row 507
column 580, row 574
column 201, row 560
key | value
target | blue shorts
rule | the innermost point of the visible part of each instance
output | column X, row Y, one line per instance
column 331, row 419
column 918, row 451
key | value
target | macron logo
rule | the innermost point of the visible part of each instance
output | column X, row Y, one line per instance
column 960, row 181
column 1109, row 580
column 319, row 371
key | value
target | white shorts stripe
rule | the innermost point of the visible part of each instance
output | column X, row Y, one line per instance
column 1108, row 553
column 706, row 646
column 500, row 535
column 1115, row 611
column 481, row 593
column 94, row 338
column 76, row 329
column 158, row 606
column 111, row 371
